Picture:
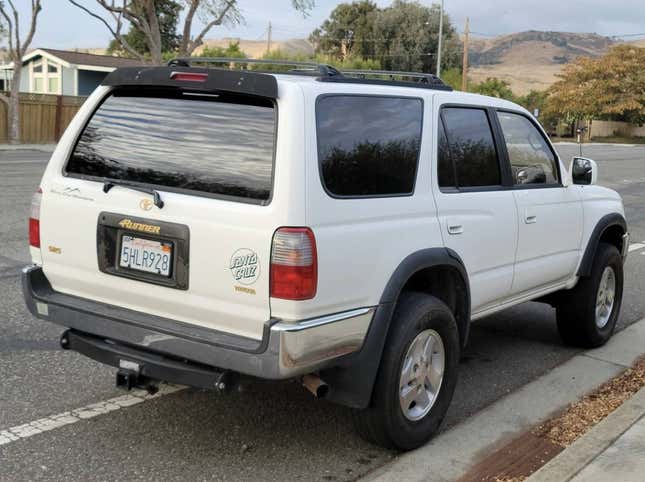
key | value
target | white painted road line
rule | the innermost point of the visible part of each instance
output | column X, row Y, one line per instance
column 89, row 411
column 635, row 246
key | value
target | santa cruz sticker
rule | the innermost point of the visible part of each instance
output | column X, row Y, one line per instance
column 244, row 266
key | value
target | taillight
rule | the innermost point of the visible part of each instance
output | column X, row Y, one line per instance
column 294, row 264
column 34, row 219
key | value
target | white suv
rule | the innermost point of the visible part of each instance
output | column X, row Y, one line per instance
column 199, row 224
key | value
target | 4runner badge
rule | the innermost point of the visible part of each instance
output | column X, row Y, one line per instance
column 146, row 228
column 244, row 266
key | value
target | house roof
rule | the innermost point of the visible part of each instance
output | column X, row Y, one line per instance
column 79, row 58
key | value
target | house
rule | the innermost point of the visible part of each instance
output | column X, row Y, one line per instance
column 62, row 72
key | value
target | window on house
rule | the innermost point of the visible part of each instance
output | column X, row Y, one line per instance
column 39, row 85
column 46, row 77
column 52, row 85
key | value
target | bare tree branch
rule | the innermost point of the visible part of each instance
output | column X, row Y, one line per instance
column 115, row 32
column 9, row 28
column 35, row 10
column 17, row 49
column 193, row 44
column 188, row 27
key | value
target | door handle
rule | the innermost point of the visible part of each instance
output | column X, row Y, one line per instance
column 455, row 229
column 530, row 219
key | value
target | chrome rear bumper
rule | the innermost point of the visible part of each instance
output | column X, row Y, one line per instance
column 286, row 350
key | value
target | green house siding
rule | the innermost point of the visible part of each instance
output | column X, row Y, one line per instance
column 67, row 77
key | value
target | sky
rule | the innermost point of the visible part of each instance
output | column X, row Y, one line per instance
column 61, row 25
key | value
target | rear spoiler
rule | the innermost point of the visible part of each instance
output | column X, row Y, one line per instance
column 210, row 80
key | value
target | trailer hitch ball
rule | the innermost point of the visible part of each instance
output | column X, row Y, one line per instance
column 64, row 341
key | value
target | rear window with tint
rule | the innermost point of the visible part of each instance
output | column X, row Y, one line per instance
column 221, row 146
column 368, row 145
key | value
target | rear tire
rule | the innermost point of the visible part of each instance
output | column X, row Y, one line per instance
column 410, row 398
column 587, row 314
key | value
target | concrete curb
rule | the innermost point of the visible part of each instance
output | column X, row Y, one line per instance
column 615, row 144
column 579, row 454
column 28, row 147
column 451, row 454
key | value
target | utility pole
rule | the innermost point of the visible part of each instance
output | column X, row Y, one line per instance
column 440, row 38
column 464, row 65
column 269, row 38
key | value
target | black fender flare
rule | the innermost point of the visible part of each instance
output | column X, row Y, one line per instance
column 351, row 382
column 602, row 225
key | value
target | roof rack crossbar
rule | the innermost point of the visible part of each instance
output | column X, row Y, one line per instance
column 431, row 78
column 302, row 67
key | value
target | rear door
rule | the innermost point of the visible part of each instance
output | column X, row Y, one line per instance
column 202, row 257
column 476, row 211
column 549, row 214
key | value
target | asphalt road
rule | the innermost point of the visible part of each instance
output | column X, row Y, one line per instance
column 264, row 432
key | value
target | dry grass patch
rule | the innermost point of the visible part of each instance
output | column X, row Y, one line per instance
column 582, row 415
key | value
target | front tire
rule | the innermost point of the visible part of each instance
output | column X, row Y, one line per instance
column 417, row 375
column 587, row 314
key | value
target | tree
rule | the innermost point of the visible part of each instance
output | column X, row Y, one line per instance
column 17, row 47
column 232, row 51
column 403, row 36
column 348, row 31
column 168, row 15
column 410, row 35
column 611, row 87
column 494, row 87
column 142, row 15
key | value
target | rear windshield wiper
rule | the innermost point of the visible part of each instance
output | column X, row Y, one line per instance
column 156, row 198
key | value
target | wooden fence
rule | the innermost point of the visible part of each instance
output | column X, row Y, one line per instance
column 43, row 118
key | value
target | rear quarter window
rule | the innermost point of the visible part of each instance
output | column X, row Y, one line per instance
column 368, row 145
column 219, row 146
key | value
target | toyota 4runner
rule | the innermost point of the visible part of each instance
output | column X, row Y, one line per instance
column 197, row 224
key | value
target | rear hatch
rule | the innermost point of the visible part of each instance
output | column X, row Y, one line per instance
column 199, row 252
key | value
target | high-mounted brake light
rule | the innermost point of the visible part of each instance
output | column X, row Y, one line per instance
column 34, row 219
column 189, row 76
column 294, row 264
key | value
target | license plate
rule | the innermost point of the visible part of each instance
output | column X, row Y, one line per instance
column 146, row 255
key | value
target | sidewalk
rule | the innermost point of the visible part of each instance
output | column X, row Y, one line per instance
column 453, row 453
column 28, row 147
column 612, row 450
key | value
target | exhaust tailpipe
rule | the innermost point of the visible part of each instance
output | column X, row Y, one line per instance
column 315, row 385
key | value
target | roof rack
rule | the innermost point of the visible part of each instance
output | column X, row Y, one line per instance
column 394, row 74
column 305, row 68
column 327, row 73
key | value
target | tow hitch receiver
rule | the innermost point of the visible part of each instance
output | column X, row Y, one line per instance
column 129, row 379
column 140, row 368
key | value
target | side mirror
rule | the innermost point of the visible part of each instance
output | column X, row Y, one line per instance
column 584, row 171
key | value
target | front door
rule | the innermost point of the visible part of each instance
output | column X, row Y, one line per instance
column 549, row 214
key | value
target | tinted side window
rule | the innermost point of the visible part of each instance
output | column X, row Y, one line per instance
column 472, row 147
column 368, row 145
column 445, row 167
column 532, row 162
